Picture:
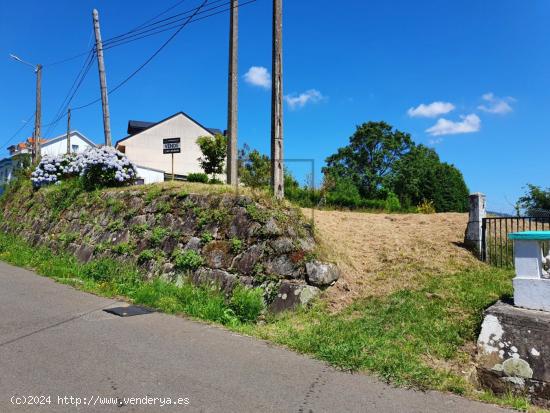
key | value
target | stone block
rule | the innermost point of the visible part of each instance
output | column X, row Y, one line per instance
column 514, row 351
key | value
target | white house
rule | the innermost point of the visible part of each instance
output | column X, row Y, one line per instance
column 144, row 144
column 55, row 146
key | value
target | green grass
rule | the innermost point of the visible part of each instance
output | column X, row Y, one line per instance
column 405, row 338
column 108, row 277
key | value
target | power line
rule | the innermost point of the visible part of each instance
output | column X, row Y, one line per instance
column 61, row 112
column 156, row 26
column 135, row 72
column 19, row 130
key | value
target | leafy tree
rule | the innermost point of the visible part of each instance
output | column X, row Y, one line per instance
column 214, row 150
column 254, row 168
column 373, row 150
column 535, row 198
column 421, row 176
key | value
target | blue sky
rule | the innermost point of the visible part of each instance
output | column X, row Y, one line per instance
column 480, row 68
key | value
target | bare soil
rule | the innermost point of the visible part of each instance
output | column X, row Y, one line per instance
column 381, row 253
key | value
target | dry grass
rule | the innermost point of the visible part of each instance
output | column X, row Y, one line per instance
column 382, row 253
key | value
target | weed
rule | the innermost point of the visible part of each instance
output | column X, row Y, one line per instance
column 247, row 303
column 139, row 229
column 206, row 237
column 102, row 247
column 236, row 245
column 115, row 205
column 115, row 226
column 163, row 207
column 158, row 234
column 67, row 238
column 188, row 260
column 258, row 214
column 426, row 207
column 148, row 255
column 153, row 192
column 124, row 248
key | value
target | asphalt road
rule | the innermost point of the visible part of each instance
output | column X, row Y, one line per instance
column 56, row 341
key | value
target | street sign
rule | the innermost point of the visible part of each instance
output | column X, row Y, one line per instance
column 171, row 145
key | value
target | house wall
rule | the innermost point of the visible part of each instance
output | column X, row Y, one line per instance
column 59, row 147
column 150, row 176
column 145, row 148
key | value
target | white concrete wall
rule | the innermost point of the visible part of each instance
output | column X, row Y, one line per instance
column 149, row 176
column 60, row 147
column 145, row 148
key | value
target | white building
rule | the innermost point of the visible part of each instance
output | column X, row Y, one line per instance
column 53, row 147
column 144, row 146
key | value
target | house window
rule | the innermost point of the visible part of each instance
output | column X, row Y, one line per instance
column 122, row 148
column 74, row 148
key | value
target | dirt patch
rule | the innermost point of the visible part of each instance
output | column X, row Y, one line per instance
column 382, row 253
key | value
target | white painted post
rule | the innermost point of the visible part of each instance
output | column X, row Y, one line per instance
column 531, row 284
column 473, row 236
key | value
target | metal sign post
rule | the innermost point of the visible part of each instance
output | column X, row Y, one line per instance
column 171, row 146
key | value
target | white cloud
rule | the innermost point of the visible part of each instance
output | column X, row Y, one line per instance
column 296, row 101
column 258, row 76
column 496, row 105
column 468, row 124
column 431, row 110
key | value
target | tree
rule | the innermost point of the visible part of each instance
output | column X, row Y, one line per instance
column 421, row 176
column 214, row 150
column 254, row 168
column 536, row 198
column 373, row 150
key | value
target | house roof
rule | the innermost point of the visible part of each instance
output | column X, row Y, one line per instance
column 140, row 126
column 64, row 136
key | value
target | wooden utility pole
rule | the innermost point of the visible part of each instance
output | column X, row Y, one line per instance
column 232, row 104
column 68, row 131
column 277, row 166
column 38, row 115
column 102, row 80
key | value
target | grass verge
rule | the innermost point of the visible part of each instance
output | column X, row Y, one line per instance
column 410, row 337
column 110, row 278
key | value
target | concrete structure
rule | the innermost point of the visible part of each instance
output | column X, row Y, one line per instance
column 532, row 281
column 473, row 236
column 143, row 145
column 7, row 169
column 514, row 343
column 149, row 175
column 514, row 352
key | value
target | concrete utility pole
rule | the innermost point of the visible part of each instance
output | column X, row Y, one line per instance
column 102, row 80
column 277, row 167
column 38, row 116
column 68, row 131
column 232, row 104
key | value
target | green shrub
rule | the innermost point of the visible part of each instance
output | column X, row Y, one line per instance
column 115, row 226
column 67, row 238
column 124, row 248
column 344, row 193
column 197, row 177
column 214, row 181
column 164, row 207
column 148, row 255
column 188, row 260
column 392, row 203
column 157, row 236
column 139, row 229
column 236, row 245
column 206, row 237
column 247, row 303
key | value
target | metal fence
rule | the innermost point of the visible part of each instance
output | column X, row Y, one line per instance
column 497, row 249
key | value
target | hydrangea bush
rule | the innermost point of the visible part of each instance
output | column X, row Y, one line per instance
column 97, row 167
